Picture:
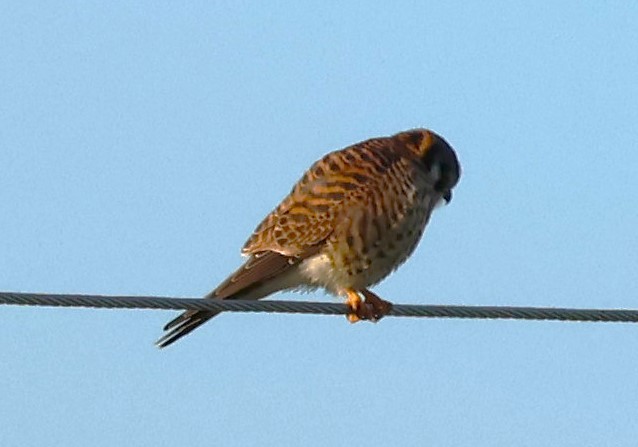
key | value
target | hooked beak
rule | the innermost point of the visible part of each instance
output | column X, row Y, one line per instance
column 445, row 199
column 447, row 196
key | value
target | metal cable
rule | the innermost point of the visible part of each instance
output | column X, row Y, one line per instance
column 321, row 308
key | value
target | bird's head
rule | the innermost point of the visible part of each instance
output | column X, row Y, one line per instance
column 437, row 156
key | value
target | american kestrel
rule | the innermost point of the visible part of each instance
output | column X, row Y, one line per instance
column 353, row 218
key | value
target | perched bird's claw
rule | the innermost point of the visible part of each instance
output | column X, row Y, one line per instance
column 379, row 307
column 372, row 309
column 353, row 317
column 363, row 311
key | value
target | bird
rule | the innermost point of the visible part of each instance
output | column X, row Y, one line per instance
column 354, row 217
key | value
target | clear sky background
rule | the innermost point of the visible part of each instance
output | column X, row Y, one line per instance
column 142, row 141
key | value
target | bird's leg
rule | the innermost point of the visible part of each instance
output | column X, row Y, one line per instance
column 373, row 308
column 360, row 311
column 379, row 307
column 354, row 302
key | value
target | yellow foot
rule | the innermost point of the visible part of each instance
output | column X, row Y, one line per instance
column 355, row 303
column 372, row 309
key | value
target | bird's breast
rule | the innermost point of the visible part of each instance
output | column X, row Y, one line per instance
column 369, row 242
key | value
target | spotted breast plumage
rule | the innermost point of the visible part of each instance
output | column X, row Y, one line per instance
column 354, row 217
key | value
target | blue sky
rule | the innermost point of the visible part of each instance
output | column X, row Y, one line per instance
column 141, row 142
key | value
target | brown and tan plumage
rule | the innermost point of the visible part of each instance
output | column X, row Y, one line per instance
column 354, row 217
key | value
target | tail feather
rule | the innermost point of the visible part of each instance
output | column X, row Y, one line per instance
column 181, row 318
column 251, row 281
column 183, row 325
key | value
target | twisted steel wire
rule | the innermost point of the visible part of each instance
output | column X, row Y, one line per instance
column 320, row 308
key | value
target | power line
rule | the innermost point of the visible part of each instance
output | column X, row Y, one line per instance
column 320, row 308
